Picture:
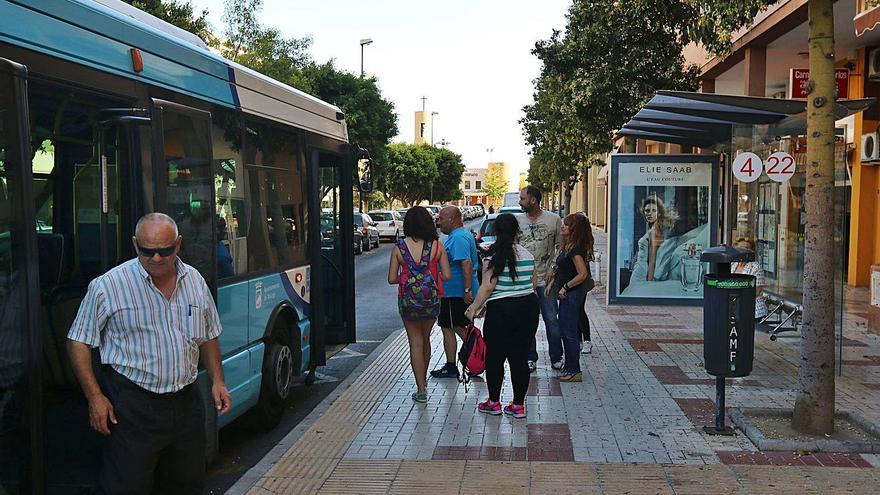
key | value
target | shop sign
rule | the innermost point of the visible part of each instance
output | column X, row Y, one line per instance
column 798, row 78
column 780, row 166
column 747, row 167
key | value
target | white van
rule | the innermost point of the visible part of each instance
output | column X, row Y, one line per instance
column 511, row 199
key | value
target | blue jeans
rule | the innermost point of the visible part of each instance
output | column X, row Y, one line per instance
column 551, row 324
column 570, row 310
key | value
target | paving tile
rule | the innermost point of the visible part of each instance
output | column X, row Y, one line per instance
column 631, row 426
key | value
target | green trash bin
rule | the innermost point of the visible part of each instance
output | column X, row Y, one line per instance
column 728, row 323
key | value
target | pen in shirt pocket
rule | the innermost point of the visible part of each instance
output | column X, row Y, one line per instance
column 189, row 309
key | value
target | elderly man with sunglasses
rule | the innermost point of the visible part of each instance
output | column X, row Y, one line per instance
column 151, row 318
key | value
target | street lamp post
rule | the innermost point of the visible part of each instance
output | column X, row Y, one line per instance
column 432, row 127
column 365, row 41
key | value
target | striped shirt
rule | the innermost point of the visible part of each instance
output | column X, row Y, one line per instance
column 151, row 340
column 507, row 286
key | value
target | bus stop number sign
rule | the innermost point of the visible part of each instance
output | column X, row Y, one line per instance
column 747, row 167
column 780, row 166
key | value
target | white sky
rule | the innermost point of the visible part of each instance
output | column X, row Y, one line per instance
column 470, row 58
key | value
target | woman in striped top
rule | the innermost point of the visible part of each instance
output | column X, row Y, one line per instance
column 508, row 292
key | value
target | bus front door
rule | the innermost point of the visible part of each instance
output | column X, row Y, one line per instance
column 333, row 204
column 22, row 467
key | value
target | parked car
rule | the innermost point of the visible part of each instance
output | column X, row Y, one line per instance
column 481, row 211
column 510, row 209
column 389, row 223
column 328, row 230
column 486, row 233
column 369, row 232
column 403, row 211
column 435, row 212
column 358, row 241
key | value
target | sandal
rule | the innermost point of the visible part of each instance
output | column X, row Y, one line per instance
column 420, row 398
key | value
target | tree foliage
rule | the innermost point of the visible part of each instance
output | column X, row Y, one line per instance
column 261, row 48
column 371, row 119
column 447, row 186
column 178, row 13
column 420, row 172
column 410, row 172
column 608, row 63
column 495, row 186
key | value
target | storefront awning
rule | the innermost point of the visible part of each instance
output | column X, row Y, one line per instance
column 706, row 119
column 867, row 20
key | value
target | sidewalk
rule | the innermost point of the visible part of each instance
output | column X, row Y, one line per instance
column 632, row 426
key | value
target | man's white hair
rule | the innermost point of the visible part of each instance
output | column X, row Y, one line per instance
column 155, row 217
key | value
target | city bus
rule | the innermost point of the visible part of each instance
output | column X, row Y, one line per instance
column 107, row 113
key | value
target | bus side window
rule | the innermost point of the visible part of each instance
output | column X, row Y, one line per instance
column 231, row 206
column 277, row 238
column 187, row 161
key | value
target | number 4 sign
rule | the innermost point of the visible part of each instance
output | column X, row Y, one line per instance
column 747, row 167
column 780, row 166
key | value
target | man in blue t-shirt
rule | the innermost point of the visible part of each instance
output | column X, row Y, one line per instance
column 461, row 249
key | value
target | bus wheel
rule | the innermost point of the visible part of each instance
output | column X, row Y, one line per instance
column 276, row 384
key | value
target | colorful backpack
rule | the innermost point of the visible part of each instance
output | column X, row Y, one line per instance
column 472, row 355
column 420, row 294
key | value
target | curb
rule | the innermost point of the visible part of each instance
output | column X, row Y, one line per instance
column 809, row 445
column 254, row 474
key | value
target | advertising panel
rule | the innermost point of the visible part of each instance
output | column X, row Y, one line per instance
column 666, row 215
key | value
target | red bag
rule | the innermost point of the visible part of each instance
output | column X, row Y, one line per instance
column 472, row 355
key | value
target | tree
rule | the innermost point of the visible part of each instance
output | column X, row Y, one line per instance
column 180, row 14
column 495, row 186
column 371, row 119
column 410, row 172
column 261, row 48
column 596, row 75
column 814, row 404
column 447, row 186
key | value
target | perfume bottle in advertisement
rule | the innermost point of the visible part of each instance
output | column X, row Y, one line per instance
column 692, row 268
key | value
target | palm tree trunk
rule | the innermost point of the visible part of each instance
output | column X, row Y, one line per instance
column 814, row 405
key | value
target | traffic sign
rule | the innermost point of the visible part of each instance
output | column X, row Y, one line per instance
column 747, row 167
column 780, row 166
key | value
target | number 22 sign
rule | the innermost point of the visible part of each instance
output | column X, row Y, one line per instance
column 747, row 167
column 780, row 166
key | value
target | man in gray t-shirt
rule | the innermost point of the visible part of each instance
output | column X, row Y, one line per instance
column 540, row 234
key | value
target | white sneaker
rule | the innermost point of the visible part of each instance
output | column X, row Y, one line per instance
column 586, row 347
column 558, row 365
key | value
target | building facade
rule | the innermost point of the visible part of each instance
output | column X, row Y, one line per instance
column 472, row 182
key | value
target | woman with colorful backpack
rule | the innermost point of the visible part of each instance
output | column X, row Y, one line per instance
column 418, row 267
column 508, row 292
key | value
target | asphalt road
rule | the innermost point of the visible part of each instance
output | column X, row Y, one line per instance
column 376, row 305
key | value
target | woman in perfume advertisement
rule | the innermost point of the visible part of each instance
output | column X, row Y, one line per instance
column 662, row 231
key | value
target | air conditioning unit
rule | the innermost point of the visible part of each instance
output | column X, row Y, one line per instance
column 874, row 64
column 870, row 151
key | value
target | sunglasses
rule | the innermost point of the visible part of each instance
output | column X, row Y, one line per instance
column 150, row 252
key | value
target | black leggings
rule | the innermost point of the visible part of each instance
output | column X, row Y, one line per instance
column 510, row 326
